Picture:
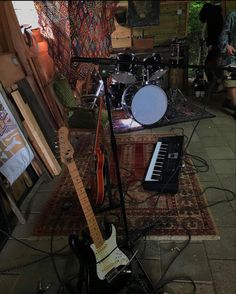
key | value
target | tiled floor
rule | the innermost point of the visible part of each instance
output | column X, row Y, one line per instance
column 211, row 264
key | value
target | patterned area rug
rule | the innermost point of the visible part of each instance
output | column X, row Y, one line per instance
column 165, row 215
column 123, row 122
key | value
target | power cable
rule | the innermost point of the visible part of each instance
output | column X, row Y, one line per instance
column 160, row 284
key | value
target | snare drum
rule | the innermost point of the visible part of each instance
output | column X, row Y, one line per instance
column 146, row 104
column 125, row 72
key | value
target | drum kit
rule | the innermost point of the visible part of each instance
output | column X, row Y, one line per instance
column 137, row 88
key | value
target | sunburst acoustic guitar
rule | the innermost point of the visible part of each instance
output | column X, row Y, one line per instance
column 106, row 265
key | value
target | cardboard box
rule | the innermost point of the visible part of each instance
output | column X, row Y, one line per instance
column 145, row 43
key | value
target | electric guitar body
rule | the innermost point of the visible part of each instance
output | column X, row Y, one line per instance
column 100, row 161
column 105, row 264
column 105, row 269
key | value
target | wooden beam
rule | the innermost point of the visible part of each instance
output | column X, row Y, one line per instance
column 13, row 34
column 36, row 135
column 10, row 69
column 11, row 200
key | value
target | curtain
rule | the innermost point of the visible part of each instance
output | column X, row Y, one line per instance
column 81, row 28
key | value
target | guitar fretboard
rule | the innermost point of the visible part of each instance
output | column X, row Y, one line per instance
column 94, row 229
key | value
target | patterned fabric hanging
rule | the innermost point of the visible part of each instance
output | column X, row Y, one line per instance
column 81, row 28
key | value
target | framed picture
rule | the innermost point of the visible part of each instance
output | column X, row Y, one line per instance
column 143, row 13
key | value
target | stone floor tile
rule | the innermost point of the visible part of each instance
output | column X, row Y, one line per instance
column 224, row 166
column 214, row 142
column 152, row 267
column 207, row 132
column 223, row 214
column 192, row 262
column 36, row 203
column 49, row 185
column 44, row 271
column 7, row 283
column 232, row 145
column 187, row 288
column 59, row 242
column 25, row 231
column 196, row 148
column 210, row 175
column 226, row 133
column 149, row 249
column 14, row 254
column 224, row 273
column 220, row 152
column 229, row 182
column 225, row 248
column 226, row 120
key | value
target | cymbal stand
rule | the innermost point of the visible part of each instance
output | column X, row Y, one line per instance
column 176, row 93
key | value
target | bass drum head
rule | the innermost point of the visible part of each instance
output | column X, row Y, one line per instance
column 149, row 105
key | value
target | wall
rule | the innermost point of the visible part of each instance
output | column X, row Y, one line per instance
column 173, row 23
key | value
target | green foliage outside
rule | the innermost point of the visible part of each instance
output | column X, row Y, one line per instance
column 194, row 32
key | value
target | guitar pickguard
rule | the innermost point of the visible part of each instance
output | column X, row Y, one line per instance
column 109, row 257
column 106, row 276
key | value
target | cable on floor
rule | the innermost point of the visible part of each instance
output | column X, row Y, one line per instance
column 160, row 284
column 210, row 91
column 217, row 202
column 27, row 245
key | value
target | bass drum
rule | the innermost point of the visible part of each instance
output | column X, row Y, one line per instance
column 146, row 104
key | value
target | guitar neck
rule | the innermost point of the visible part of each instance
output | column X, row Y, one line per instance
column 94, row 229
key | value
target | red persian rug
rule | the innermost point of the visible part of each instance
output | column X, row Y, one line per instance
column 163, row 216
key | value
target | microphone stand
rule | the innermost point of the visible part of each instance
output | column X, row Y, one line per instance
column 104, row 75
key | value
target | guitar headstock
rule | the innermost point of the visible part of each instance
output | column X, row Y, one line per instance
column 66, row 149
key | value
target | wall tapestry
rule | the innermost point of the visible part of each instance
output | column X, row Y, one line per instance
column 15, row 153
column 81, row 28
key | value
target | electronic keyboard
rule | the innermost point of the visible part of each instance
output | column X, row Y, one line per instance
column 165, row 164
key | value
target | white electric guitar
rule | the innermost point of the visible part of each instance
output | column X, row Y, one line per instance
column 106, row 264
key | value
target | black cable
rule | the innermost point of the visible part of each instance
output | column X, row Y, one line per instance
column 27, row 245
column 17, row 267
column 160, row 284
column 143, row 231
column 65, row 206
column 179, row 279
column 217, row 202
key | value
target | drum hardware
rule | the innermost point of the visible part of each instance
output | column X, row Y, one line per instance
column 116, row 91
column 125, row 72
column 177, row 60
column 152, row 69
